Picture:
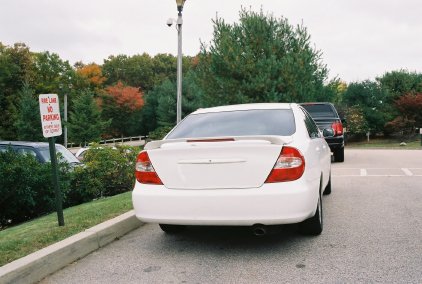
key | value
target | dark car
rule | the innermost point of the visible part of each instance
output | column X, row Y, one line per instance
column 39, row 150
column 325, row 116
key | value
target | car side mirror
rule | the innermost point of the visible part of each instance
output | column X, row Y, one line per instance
column 328, row 132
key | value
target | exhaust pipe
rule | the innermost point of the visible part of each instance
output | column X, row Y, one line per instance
column 259, row 230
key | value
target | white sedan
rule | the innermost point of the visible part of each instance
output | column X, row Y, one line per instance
column 246, row 165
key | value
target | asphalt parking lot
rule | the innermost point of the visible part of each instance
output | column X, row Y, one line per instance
column 372, row 234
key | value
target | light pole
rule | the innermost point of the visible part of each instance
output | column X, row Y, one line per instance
column 66, row 91
column 65, row 120
column 179, row 22
column 62, row 90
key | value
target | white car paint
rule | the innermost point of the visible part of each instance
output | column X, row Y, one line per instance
column 223, row 183
column 81, row 152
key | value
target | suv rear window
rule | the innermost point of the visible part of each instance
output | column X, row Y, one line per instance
column 236, row 123
column 62, row 153
column 320, row 110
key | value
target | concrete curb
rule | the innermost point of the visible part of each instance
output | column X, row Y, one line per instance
column 34, row 267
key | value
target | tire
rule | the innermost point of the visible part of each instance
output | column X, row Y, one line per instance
column 172, row 229
column 327, row 189
column 314, row 225
column 339, row 155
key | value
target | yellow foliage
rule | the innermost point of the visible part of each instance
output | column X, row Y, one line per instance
column 341, row 87
column 93, row 73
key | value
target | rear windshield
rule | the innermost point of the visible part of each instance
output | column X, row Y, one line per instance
column 236, row 123
column 320, row 110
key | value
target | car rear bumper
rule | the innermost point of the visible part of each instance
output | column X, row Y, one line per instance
column 335, row 143
column 271, row 204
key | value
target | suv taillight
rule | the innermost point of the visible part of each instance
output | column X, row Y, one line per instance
column 144, row 171
column 338, row 128
column 290, row 166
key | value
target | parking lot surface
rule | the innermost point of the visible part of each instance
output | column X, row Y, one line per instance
column 372, row 234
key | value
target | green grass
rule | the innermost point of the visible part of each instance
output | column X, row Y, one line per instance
column 26, row 238
column 385, row 144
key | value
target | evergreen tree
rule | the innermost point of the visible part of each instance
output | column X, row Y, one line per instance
column 85, row 124
column 28, row 122
column 260, row 59
column 166, row 104
column 161, row 102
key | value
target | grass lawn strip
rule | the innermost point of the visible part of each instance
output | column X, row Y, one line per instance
column 26, row 238
column 385, row 144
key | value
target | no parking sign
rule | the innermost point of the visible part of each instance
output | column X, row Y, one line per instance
column 51, row 127
column 50, row 115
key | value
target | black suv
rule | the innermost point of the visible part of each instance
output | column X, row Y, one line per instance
column 39, row 150
column 325, row 116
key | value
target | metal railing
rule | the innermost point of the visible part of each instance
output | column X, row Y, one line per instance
column 114, row 141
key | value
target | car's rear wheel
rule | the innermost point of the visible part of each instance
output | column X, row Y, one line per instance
column 327, row 189
column 172, row 229
column 313, row 226
column 339, row 155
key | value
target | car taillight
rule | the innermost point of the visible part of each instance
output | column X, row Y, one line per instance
column 144, row 171
column 290, row 166
column 338, row 128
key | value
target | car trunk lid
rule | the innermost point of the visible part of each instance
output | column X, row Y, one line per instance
column 210, row 163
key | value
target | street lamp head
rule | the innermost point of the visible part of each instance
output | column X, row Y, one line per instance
column 180, row 4
column 170, row 22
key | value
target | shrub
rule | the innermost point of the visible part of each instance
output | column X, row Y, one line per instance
column 401, row 125
column 107, row 171
column 410, row 118
column 356, row 123
column 26, row 190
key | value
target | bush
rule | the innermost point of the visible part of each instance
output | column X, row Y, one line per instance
column 356, row 123
column 401, row 125
column 159, row 133
column 26, row 190
column 107, row 171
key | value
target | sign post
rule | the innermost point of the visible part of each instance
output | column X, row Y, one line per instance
column 51, row 127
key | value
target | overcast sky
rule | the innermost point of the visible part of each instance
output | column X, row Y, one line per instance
column 360, row 39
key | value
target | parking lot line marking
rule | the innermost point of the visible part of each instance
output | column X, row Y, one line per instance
column 407, row 172
column 339, row 168
column 368, row 176
column 371, row 176
column 366, row 172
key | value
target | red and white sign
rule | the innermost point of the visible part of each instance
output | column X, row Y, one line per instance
column 50, row 115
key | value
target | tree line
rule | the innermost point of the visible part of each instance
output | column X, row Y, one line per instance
column 260, row 58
